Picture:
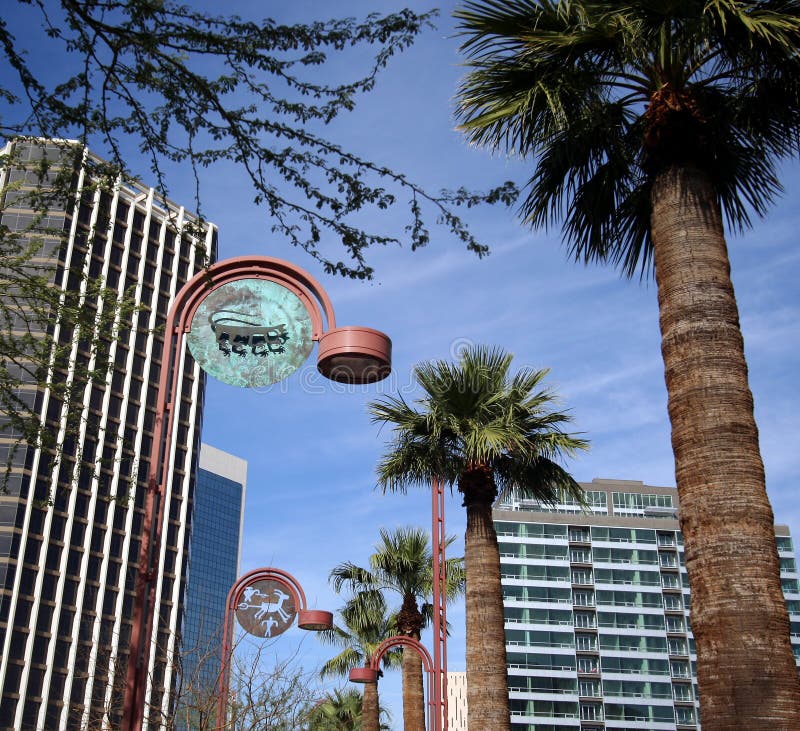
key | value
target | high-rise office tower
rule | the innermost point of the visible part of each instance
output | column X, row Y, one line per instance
column 214, row 554
column 71, row 520
column 597, row 611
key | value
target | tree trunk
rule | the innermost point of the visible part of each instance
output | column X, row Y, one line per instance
column 746, row 670
column 413, row 694
column 409, row 623
column 369, row 708
column 487, row 675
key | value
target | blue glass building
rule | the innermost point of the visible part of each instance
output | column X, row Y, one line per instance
column 215, row 549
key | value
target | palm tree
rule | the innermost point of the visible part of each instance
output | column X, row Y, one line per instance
column 403, row 563
column 649, row 121
column 363, row 627
column 484, row 430
column 339, row 711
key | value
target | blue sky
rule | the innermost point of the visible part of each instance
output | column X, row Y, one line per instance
column 310, row 446
column 311, row 498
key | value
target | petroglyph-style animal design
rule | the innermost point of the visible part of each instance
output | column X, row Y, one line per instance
column 236, row 331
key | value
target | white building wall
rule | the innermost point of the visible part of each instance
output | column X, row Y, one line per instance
column 457, row 701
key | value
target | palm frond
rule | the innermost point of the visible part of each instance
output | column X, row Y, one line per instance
column 568, row 84
column 472, row 412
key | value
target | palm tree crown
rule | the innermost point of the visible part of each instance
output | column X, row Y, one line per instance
column 475, row 416
column 608, row 94
column 340, row 711
column 403, row 564
column 363, row 626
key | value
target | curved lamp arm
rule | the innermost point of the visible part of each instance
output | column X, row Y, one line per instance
column 370, row 672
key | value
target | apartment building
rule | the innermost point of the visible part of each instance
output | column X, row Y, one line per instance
column 597, row 611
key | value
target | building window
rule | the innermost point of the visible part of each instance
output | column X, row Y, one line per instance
column 682, row 692
column 679, row 669
column 668, row 560
column 585, row 620
column 585, row 642
column 589, row 689
column 639, row 501
column 580, row 555
column 579, row 535
column 684, row 715
column 582, row 576
column 588, row 665
column 675, row 624
column 583, row 598
column 591, row 712
column 677, row 647
column 670, row 581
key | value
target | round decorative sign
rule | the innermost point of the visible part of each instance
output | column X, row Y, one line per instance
column 266, row 608
column 250, row 333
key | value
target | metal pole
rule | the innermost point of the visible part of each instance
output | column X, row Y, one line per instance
column 227, row 649
column 439, row 540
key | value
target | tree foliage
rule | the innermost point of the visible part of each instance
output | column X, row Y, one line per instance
column 604, row 96
column 340, row 710
column 476, row 413
column 269, row 691
column 56, row 324
column 197, row 90
column 402, row 564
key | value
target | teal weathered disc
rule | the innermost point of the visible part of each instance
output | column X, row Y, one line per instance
column 250, row 333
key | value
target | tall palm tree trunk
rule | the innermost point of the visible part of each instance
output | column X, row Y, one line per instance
column 413, row 694
column 487, row 675
column 746, row 670
column 369, row 708
column 409, row 623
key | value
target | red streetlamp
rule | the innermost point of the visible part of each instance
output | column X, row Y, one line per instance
column 260, row 602
column 435, row 666
column 369, row 674
column 268, row 313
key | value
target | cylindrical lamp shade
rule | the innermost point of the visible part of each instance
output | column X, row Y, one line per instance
column 363, row 675
column 355, row 355
column 315, row 620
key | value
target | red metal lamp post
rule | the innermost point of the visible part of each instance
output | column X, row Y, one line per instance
column 369, row 673
column 438, row 541
column 260, row 602
column 208, row 310
column 435, row 666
